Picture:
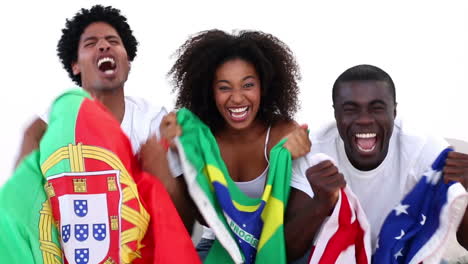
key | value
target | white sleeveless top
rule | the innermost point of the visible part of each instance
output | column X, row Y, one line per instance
column 253, row 188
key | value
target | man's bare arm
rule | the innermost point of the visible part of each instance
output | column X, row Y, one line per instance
column 31, row 138
column 305, row 215
column 456, row 169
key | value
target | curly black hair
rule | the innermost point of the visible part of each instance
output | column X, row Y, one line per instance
column 67, row 47
column 199, row 57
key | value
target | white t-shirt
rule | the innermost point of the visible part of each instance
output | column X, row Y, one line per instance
column 409, row 155
column 140, row 121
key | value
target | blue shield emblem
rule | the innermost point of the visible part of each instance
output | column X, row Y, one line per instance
column 86, row 228
column 82, row 255
column 99, row 231
column 79, row 213
column 65, row 233
column 80, row 207
column 81, row 232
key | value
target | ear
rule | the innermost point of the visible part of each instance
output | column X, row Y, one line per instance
column 394, row 110
column 334, row 111
column 76, row 68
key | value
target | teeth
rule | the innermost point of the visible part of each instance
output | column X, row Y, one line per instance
column 239, row 115
column 106, row 59
column 366, row 135
column 109, row 72
column 238, row 110
column 366, row 150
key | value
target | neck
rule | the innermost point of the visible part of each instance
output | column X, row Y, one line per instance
column 113, row 100
column 250, row 134
column 369, row 165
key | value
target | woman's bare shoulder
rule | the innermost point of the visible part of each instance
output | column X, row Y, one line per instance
column 281, row 129
column 284, row 127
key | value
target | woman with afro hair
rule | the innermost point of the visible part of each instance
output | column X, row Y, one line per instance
column 244, row 87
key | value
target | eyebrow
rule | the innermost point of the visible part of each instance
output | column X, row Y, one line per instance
column 90, row 38
column 243, row 79
column 111, row 37
column 222, row 81
column 95, row 38
column 377, row 101
column 248, row 77
column 350, row 103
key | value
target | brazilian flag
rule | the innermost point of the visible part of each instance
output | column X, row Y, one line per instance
column 247, row 230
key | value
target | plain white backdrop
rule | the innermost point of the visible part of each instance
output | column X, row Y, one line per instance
column 423, row 45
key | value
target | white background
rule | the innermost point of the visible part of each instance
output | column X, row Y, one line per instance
column 423, row 45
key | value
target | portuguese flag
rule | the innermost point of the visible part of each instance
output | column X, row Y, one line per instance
column 82, row 197
column 247, row 230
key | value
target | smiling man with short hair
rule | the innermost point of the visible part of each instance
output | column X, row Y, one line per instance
column 378, row 156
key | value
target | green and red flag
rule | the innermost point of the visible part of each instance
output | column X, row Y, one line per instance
column 82, row 197
column 248, row 230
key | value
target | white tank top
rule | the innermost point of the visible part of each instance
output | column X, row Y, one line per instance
column 253, row 188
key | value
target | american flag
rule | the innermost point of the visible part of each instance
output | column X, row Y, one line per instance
column 345, row 236
column 415, row 231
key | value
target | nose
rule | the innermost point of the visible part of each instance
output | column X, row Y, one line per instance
column 237, row 97
column 104, row 45
column 364, row 118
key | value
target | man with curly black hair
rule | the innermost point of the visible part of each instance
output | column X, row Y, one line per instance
column 77, row 37
column 244, row 87
column 96, row 48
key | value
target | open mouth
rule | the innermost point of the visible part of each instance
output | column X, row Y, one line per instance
column 238, row 113
column 366, row 142
column 107, row 65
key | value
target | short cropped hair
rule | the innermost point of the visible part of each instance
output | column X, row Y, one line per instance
column 364, row 72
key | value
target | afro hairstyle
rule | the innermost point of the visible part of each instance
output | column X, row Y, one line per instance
column 201, row 55
column 67, row 48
